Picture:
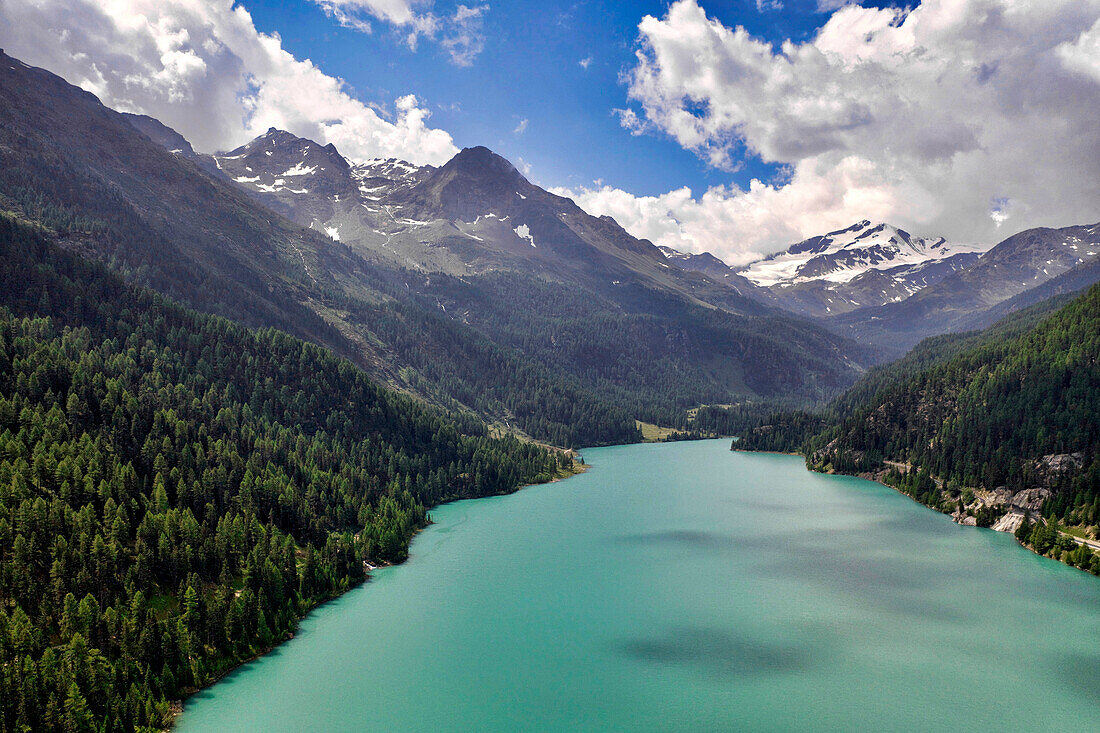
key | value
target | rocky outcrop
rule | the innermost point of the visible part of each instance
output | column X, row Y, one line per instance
column 1053, row 467
column 1029, row 500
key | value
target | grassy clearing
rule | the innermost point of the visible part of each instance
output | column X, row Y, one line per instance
column 1082, row 532
column 655, row 433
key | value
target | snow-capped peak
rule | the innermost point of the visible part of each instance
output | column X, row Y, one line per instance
column 844, row 254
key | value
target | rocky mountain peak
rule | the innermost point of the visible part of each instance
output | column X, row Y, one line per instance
column 481, row 163
column 842, row 255
column 474, row 182
column 281, row 162
column 161, row 134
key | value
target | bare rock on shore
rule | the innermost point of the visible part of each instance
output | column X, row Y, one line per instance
column 998, row 497
column 1030, row 500
column 1009, row 522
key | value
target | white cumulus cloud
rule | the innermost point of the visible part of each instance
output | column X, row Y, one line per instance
column 202, row 67
column 921, row 117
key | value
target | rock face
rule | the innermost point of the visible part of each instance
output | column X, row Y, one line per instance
column 1029, row 500
column 1010, row 522
column 1053, row 467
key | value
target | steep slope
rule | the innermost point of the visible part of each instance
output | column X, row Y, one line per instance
column 988, row 416
column 499, row 253
column 171, row 141
column 177, row 491
column 1068, row 283
column 844, row 254
column 1019, row 263
column 475, row 215
column 105, row 189
column 109, row 191
column 719, row 271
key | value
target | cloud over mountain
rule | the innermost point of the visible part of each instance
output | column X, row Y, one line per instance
column 203, row 68
column 954, row 118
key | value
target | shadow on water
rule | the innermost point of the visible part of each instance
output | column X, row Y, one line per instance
column 825, row 559
column 698, row 539
column 722, row 653
column 1081, row 672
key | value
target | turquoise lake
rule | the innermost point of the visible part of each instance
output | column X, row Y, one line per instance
column 688, row 587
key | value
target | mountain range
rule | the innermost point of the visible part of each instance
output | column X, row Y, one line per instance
column 478, row 215
column 426, row 276
column 883, row 286
column 465, row 285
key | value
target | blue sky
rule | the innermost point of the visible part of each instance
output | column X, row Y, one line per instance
column 530, row 69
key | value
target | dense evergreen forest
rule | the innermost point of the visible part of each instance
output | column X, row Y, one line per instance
column 177, row 490
column 974, row 411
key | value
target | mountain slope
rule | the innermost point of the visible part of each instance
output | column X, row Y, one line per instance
column 472, row 216
column 988, row 415
column 717, row 270
column 82, row 169
column 106, row 190
column 1067, row 284
column 634, row 337
column 483, row 240
column 863, row 265
column 846, row 253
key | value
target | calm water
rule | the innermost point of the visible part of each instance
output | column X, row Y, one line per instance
column 685, row 587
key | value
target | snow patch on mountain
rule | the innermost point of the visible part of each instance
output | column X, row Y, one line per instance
column 524, row 232
column 300, row 169
column 843, row 255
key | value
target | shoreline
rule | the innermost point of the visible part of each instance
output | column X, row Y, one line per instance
column 1091, row 544
column 766, row 452
column 877, row 478
column 177, row 706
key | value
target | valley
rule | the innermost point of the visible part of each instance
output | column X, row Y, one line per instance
column 266, row 331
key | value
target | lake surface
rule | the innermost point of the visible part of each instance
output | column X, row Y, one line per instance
column 686, row 587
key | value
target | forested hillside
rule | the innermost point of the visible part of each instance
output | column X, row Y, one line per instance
column 176, row 490
column 1016, row 407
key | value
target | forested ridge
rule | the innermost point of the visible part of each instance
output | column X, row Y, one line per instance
column 177, row 490
column 977, row 411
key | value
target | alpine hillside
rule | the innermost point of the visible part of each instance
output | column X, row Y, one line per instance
column 883, row 286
